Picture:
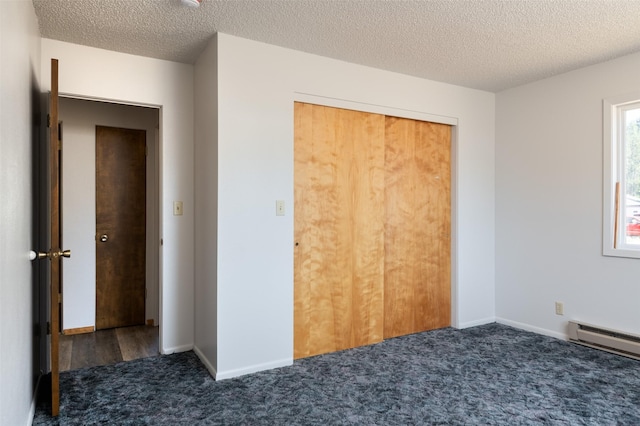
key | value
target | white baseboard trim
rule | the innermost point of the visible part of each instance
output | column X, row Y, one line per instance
column 476, row 323
column 221, row 375
column 183, row 348
column 205, row 361
column 240, row 371
column 532, row 328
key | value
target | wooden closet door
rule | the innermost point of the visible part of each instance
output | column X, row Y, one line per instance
column 338, row 229
column 417, row 226
column 120, row 227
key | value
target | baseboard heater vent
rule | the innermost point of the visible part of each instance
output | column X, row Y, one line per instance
column 621, row 343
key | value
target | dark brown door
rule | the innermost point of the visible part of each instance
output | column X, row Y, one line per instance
column 55, row 254
column 51, row 227
column 120, row 227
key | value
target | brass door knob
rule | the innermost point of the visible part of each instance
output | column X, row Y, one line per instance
column 104, row 238
column 60, row 253
column 51, row 254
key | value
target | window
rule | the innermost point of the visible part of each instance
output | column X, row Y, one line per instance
column 621, row 136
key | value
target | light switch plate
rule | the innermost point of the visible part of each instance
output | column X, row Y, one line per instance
column 279, row 207
column 177, row 208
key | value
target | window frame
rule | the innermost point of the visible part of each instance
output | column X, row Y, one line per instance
column 613, row 170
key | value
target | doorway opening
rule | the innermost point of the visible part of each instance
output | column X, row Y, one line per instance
column 81, row 342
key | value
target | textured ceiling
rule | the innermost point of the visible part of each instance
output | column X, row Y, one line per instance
column 484, row 44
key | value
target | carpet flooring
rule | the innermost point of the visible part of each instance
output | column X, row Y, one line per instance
column 485, row 375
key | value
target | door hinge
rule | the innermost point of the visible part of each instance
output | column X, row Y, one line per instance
column 59, row 297
column 48, row 327
column 48, row 120
column 59, row 145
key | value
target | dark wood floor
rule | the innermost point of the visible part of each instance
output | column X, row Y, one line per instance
column 105, row 347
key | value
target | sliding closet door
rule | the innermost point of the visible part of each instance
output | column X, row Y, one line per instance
column 338, row 229
column 417, row 226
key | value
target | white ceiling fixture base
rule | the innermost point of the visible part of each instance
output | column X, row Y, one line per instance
column 191, row 3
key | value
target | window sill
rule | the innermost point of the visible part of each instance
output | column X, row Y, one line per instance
column 621, row 252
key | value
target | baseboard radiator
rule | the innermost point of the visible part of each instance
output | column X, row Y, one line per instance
column 621, row 343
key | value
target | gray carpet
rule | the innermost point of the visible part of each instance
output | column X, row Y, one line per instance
column 486, row 375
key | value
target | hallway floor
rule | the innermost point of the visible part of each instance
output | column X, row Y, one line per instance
column 104, row 347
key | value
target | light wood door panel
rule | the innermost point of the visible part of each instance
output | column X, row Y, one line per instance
column 417, row 226
column 121, row 217
column 338, row 229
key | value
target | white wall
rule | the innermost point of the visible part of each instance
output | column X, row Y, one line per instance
column 257, row 85
column 549, row 204
column 79, row 119
column 102, row 74
column 19, row 77
column 206, row 188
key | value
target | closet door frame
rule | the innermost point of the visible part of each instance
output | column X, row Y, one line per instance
column 420, row 116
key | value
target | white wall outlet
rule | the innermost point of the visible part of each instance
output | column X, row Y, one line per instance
column 279, row 207
column 559, row 308
column 177, row 208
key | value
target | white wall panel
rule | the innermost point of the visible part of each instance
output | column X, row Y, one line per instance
column 206, row 189
column 19, row 81
column 257, row 84
column 549, row 204
column 102, row 74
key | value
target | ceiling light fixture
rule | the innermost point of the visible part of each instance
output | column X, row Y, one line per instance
column 191, row 3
